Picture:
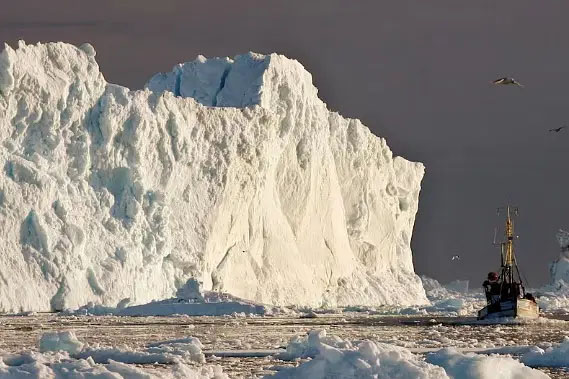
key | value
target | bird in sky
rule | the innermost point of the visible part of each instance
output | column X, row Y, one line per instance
column 506, row 81
column 557, row 130
column 455, row 258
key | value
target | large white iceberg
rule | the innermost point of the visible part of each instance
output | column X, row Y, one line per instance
column 231, row 171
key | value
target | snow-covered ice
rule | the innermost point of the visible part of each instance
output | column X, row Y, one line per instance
column 229, row 171
column 474, row 366
column 335, row 358
column 452, row 299
column 37, row 365
column 62, row 355
column 554, row 356
column 60, row 341
column 190, row 300
column 332, row 357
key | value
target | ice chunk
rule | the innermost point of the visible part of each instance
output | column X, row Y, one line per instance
column 61, row 365
column 555, row 356
column 60, row 341
column 472, row 366
column 190, row 348
column 335, row 358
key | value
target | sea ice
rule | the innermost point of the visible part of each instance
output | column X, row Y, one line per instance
column 60, row 341
column 555, row 356
column 452, row 299
column 553, row 298
column 473, row 366
column 62, row 355
column 190, row 300
column 332, row 357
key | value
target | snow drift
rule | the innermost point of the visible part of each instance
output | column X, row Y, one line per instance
column 231, row 171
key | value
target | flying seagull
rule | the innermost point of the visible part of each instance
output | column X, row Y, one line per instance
column 455, row 258
column 557, row 130
column 506, row 81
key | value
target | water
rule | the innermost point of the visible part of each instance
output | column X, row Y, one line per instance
column 229, row 333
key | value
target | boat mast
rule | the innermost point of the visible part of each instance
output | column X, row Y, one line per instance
column 509, row 248
column 508, row 256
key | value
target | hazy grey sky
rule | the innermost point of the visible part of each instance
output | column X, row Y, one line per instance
column 416, row 72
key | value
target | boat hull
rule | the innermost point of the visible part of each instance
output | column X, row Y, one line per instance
column 518, row 308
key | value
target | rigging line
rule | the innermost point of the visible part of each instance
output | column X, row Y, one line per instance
column 523, row 277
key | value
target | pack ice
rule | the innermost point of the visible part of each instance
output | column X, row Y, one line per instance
column 230, row 171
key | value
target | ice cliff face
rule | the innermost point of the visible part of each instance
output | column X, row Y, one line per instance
column 559, row 269
column 231, row 171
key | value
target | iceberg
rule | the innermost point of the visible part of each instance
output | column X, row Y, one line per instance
column 230, row 171
column 559, row 270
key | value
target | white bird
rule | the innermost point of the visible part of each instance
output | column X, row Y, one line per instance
column 506, row 81
column 455, row 258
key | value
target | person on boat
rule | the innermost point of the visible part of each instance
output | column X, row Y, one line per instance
column 492, row 288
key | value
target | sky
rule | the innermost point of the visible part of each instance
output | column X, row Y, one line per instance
column 415, row 72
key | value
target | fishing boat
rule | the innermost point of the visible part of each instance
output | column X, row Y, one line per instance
column 505, row 292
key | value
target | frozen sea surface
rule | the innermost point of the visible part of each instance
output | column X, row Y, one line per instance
column 20, row 333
